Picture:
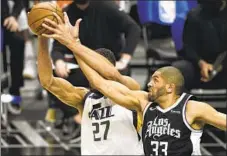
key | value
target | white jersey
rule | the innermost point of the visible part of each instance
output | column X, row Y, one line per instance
column 107, row 128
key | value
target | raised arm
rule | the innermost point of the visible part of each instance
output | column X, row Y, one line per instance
column 90, row 57
column 62, row 89
column 97, row 62
column 120, row 94
column 208, row 115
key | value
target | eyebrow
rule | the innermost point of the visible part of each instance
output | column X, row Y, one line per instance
column 155, row 76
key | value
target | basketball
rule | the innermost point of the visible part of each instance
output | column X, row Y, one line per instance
column 41, row 11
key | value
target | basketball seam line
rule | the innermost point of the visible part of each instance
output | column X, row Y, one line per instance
column 45, row 29
column 38, row 32
column 46, row 9
column 44, row 16
column 39, row 19
column 54, row 7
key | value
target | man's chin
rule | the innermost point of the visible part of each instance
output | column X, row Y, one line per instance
column 151, row 98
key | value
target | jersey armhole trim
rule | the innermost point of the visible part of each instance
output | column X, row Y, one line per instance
column 85, row 97
column 145, row 109
column 185, row 120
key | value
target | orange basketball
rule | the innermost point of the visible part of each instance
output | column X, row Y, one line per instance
column 41, row 11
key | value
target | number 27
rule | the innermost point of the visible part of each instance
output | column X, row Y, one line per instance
column 97, row 130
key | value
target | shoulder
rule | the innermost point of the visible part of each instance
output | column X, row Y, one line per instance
column 82, row 90
column 195, row 107
column 143, row 99
column 86, row 93
column 194, row 104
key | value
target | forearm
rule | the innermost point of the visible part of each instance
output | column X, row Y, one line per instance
column 222, row 124
column 95, row 60
column 101, row 65
column 92, row 76
column 44, row 63
column 18, row 6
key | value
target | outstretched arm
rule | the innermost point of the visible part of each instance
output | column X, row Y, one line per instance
column 98, row 62
column 120, row 94
column 68, row 35
column 208, row 115
column 61, row 88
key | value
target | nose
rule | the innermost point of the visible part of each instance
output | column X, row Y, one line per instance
column 149, row 85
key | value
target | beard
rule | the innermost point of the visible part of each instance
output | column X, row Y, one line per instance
column 160, row 92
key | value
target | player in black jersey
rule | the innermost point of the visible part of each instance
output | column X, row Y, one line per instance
column 173, row 120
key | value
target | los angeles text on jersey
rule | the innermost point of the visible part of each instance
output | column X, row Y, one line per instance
column 159, row 127
column 99, row 113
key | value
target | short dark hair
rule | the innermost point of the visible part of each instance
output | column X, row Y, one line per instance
column 173, row 75
column 108, row 54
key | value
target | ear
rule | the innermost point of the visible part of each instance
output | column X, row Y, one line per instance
column 170, row 88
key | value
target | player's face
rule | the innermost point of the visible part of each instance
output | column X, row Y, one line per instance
column 156, row 87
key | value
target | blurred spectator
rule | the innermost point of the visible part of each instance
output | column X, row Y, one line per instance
column 29, row 71
column 124, row 5
column 205, row 36
column 16, row 47
column 102, row 27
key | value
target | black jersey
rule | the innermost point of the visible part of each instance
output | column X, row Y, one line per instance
column 166, row 132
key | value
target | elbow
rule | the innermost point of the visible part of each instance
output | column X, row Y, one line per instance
column 45, row 83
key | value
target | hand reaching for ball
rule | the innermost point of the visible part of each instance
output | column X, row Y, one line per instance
column 64, row 32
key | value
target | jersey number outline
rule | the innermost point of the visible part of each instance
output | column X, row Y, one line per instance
column 158, row 145
column 97, row 127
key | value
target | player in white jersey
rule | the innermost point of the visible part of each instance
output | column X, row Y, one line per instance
column 106, row 128
column 170, row 121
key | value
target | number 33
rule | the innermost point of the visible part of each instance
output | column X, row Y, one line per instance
column 156, row 145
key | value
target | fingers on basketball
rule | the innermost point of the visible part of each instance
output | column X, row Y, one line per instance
column 41, row 11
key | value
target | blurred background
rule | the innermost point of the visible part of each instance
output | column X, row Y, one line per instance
column 144, row 35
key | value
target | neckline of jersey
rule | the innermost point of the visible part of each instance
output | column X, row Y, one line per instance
column 172, row 106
